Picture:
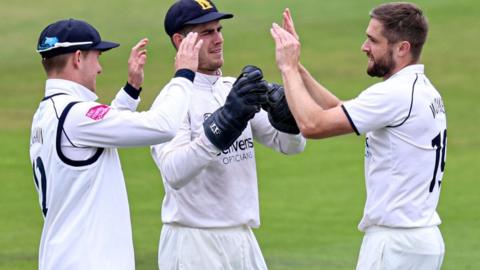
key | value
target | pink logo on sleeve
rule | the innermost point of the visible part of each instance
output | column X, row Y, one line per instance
column 98, row 112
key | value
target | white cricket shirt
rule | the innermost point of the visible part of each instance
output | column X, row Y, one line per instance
column 206, row 188
column 78, row 175
column 405, row 124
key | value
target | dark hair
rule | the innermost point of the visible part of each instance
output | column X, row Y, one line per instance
column 403, row 21
column 184, row 32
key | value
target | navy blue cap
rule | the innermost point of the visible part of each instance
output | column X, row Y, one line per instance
column 191, row 12
column 67, row 36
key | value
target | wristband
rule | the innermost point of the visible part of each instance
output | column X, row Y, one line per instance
column 185, row 73
column 132, row 91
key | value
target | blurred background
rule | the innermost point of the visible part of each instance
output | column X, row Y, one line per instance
column 310, row 203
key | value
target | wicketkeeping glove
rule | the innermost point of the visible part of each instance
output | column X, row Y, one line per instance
column 278, row 112
column 227, row 123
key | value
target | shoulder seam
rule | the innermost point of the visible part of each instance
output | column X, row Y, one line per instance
column 60, row 130
column 411, row 104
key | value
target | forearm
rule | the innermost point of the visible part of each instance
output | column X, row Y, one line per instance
column 173, row 101
column 318, row 92
column 266, row 134
column 127, row 98
column 312, row 120
column 301, row 104
column 290, row 144
column 181, row 163
column 284, row 143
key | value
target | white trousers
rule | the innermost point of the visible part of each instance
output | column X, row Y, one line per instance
column 184, row 248
column 401, row 249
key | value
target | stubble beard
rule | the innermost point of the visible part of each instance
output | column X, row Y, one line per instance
column 382, row 66
column 210, row 67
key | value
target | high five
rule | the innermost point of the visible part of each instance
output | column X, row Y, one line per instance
column 404, row 120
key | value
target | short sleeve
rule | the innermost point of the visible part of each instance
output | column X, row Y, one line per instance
column 377, row 107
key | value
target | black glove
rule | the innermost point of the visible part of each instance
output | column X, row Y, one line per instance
column 227, row 123
column 278, row 112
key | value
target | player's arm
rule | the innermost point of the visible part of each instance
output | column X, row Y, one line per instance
column 91, row 124
column 95, row 125
column 128, row 97
column 182, row 158
column 268, row 135
column 318, row 92
column 247, row 95
column 312, row 120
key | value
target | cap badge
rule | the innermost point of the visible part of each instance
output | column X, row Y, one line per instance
column 48, row 42
column 204, row 4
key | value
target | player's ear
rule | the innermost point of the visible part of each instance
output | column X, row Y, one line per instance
column 403, row 48
column 76, row 58
column 177, row 39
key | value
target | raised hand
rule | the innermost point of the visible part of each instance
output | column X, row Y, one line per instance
column 225, row 124
column 287, row 48
column 288, row 23
column 248, row 93
column 279, row 113
column 187, row 54
column 136, row 62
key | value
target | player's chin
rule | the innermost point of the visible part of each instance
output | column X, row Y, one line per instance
column 217, row 63
column 370, row 64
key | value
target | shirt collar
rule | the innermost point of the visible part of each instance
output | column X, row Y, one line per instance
column 206, row 80
column 54, row 86
column 410, row 69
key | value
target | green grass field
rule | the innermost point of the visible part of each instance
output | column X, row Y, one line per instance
column 310, row 203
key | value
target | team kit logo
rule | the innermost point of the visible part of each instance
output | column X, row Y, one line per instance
column 98, row 112
column 205, row 4
column 239, row 151
column 48, row 43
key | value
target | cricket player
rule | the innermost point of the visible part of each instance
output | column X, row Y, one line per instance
column 73, row 143
column 404, row 120
column 208, row 169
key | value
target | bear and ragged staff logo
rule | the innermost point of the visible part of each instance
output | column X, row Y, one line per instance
column 205, row 4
